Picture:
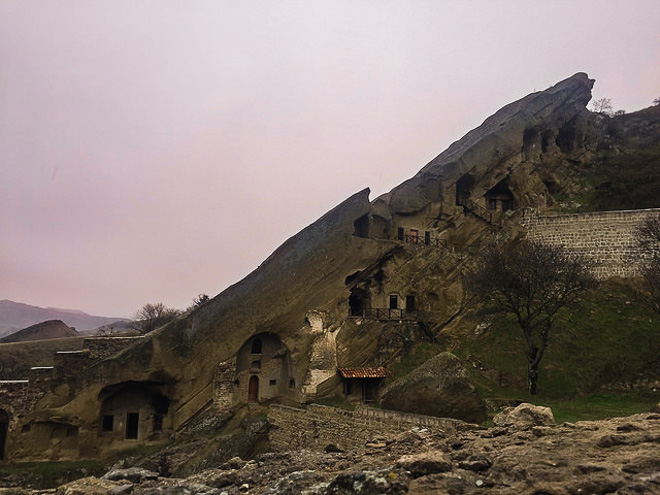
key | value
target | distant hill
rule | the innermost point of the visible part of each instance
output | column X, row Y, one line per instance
column 51, row 329
column 17, row 316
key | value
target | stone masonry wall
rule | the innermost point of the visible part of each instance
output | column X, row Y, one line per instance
column 319, row 426
column 606, row 237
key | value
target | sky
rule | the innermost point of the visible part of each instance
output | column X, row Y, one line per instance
column 151, row 151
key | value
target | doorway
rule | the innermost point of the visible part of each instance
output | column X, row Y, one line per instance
column 132, row 422
column 253, row 389
column 4, row 426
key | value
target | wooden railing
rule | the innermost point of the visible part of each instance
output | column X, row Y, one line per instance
column 421, row 240
column 389, row 314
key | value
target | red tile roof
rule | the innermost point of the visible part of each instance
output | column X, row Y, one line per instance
column 364, row 372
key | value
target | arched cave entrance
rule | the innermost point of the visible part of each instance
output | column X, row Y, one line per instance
column 264, row 370
column 499, row 197
column 132, row 411
column 4, row 427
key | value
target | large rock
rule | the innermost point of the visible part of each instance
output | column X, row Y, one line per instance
column 439, row 387
column 525, row 416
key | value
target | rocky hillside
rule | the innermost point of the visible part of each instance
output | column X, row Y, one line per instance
column 52, row 329
column 524, row 453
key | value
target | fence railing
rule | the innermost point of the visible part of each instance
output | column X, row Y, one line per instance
column 385, row 314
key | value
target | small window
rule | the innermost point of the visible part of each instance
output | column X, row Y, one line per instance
column 237, row 382
column 108, row 422
column 292, row 383
column 399, row 233
column 491, row 204
column 427, row 237
column 26, row 428
column 158, row 422
column 256, row 365
column 256, row 346
column 272, row 382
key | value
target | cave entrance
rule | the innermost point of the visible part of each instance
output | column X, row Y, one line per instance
column 253, row 389
column 464, row 189
column 358, row 302
column 4, row 427
column 499, row 197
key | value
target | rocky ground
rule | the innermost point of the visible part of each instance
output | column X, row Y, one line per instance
column 525, row 452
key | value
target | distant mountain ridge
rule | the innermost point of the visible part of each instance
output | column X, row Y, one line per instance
column 15, row 316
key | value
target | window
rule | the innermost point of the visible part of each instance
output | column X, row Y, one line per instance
column 272, row 382
column 427, row 238
column 256, row 365
column 491, row 204
column 399, row 233
column 410, row 303
column 158, row 422
column 292, row 383
column 108, row 422
column 256, row 346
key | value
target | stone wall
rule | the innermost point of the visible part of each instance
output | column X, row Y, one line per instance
column 103, row 347
column 606, row 237
column 319, row 426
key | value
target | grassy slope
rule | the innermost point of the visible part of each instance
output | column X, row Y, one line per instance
column 596, row 352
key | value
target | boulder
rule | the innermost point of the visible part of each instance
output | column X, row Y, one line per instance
column 133, row 474
column 439, row 387
column 525, row 416
column 425, row 463
column 93, row 486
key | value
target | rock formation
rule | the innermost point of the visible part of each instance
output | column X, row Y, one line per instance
column 439, row 387
column 356, row 289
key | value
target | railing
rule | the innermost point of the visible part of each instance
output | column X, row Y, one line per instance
column 421, row 240
column 388, row 314
column 384, row 314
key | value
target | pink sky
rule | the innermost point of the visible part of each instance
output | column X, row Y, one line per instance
column 154, row 150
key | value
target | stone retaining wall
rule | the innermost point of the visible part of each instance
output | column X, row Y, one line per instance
column 606, row 237
column 319, row 426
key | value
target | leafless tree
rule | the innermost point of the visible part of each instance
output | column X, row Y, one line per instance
column 603, row 106
column 533, row 282
column 648, row 239
column 151, row 316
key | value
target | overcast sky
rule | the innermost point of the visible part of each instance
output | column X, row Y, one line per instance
column 154, row 150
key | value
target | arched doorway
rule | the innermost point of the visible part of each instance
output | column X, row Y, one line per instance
column 253, row 389
column 4, row 426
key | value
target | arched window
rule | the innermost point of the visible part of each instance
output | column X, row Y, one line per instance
column 256, row 346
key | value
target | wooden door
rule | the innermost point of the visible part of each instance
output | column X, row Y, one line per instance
column 253, row 389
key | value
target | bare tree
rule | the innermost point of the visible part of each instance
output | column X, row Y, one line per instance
column 648, row 239
column 533, row 282
column 603, row 106
column 151, row 316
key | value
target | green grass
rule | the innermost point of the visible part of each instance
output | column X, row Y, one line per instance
column 600, row 406
column 596, row 351
column 338, row 402
column 419, row 355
